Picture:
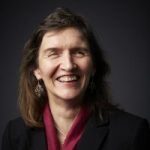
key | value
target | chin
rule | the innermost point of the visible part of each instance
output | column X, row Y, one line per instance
column 69, row 96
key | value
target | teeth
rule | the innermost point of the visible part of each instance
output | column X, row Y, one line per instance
column 67, row 78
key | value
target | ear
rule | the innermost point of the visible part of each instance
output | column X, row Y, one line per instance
column 37, row 74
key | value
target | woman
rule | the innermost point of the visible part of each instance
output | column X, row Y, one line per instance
column 63, row 96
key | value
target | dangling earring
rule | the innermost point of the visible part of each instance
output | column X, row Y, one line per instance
column 39, row 89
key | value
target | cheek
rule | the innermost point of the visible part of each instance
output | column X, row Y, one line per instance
column 47, row 69
column 87, row 67
column 87, row 70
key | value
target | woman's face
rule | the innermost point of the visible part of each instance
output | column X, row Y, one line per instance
column 64, row 64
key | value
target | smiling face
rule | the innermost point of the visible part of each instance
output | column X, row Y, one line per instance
column 64, row 64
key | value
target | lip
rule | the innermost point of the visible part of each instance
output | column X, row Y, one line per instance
column 70, row 84
column 77, row 75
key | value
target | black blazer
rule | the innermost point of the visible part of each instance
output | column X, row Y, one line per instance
column 118, row 131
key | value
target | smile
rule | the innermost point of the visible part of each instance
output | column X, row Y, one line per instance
column 68, row 78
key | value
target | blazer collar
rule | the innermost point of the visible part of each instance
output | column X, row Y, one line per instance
column 95, row 133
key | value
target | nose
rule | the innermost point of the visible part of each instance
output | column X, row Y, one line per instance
column 67, row 62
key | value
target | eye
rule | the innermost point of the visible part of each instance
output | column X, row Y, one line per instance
column 52, row 53
column 80, row 52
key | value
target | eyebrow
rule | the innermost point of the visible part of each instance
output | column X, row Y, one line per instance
column 81, row 48
column 50, row 49
column 73, row 48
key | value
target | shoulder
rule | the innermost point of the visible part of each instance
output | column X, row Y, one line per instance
column 14, row 133
column 18, row 135
column 15, row 128
column 16, row 125
column 126, row 118
column 17, row 122
column 128, row 127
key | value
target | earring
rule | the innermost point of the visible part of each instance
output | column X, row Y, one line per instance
column 39, row 89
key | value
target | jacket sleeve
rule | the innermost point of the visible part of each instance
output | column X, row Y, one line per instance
column 142, row 137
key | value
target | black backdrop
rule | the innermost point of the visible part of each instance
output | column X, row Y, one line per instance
column 123, row 27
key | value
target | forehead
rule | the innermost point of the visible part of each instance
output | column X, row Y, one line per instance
column 65, row 37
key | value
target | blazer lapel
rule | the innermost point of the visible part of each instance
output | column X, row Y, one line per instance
column 37, row 139
column 94, row 134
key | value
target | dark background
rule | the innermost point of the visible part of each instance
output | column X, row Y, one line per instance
column 124, row 30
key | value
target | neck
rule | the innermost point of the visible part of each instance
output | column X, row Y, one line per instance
column 64, row 114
